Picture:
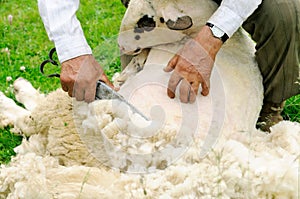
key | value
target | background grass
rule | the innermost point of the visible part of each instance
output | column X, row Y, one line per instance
column 24, row 43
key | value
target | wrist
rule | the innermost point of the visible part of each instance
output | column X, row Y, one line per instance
column 217, row 32
column 68, row 47
column 207, row 40
column 77, row 59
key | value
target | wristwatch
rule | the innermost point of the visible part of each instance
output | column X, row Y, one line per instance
column 217, row 32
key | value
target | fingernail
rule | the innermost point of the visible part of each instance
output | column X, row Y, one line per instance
column 171, row 94
column 205, row 93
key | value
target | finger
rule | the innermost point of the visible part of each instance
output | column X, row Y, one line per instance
column 173, row 82
column 90, row 94
column 105, row 79
column 70, row 91
column 64, row 87
column 172, row 63
column 64, row 84
column 205, row 88
column 184, row 91
column 194, row 91
column 78, row 93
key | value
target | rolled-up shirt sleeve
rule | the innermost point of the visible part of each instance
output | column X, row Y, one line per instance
column 63, row 28
column 232, row 13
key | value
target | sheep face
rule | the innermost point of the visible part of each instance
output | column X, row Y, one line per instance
column 149, row 23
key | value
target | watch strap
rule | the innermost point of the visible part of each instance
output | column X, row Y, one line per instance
column 223, row 37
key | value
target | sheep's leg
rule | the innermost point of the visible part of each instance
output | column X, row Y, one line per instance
column 135, row 65
column 10, row 112
column 125, row 60
column 26, row 94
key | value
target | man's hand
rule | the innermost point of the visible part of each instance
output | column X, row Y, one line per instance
column 79, row 76
column 193, row 65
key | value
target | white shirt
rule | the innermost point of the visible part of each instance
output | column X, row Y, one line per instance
column 232, row 13
column 64, row 29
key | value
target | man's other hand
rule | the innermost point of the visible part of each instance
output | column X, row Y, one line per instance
column 79, row 76
column 192, row 66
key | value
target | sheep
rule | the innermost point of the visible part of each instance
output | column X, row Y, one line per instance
column 104, row 150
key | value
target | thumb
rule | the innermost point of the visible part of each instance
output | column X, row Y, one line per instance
column 172, row 63
column 105, row 79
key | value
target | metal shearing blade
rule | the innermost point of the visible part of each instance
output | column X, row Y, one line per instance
column 103, row 91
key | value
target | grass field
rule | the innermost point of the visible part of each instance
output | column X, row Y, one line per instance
column 24, row 43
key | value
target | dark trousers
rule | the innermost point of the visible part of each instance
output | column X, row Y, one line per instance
column 275, row 27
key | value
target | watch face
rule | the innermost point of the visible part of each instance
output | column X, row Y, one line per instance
column 217, row 32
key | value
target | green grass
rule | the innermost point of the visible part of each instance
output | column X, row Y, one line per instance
column 8, row 141
column 292, row 109
column 28, row 46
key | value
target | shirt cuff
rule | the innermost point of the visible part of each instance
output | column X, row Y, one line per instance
column 71, row 47
column 227, row 20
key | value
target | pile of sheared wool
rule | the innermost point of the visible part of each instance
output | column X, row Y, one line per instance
column 256, row 165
